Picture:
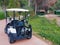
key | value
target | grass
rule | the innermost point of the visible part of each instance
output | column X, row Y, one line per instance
column 1, row 15
column 45, row 28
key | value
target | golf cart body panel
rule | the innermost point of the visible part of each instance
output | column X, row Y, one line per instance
column 17, row 29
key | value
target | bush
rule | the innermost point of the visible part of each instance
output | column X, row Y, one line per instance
column 2, row 15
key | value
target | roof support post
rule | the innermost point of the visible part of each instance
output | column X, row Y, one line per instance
column 14, row 15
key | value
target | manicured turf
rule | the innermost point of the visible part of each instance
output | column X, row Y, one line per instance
column 45, row 28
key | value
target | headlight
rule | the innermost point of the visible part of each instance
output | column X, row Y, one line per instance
column 27, row 29
column 11, row 30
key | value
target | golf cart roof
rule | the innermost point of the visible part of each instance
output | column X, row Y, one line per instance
column 17, row 9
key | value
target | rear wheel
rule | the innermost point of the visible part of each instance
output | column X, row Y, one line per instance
column 29, row 32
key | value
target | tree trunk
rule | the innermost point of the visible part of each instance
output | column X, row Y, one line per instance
column 35, row 7
column 28, row 3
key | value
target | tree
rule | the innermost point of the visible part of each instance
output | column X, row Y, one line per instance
column 4, row 2
column 12, row 4
column 57, row 5
column 23, row 3
column 1, row 2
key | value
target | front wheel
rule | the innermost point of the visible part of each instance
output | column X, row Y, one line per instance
column 11, row 39
column 29, row 32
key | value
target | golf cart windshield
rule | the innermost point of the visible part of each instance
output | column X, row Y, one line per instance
column 16, row 14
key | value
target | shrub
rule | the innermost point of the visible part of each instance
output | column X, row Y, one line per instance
column 2, row 15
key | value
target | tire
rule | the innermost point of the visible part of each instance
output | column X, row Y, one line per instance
column 6, row 28
column 30, row 33
column 11, row 39
column 29, row 37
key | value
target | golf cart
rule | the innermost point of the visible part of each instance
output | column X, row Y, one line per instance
column 17, row 27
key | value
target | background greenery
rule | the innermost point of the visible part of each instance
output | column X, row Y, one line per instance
column 56, row 5
column 2, row 15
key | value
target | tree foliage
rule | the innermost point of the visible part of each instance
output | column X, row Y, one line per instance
column 23, row 3
column 56, row 5
column 11, row 4
column 14, row 3
column 4, row 2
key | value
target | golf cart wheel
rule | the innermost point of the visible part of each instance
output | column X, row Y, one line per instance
column 11, row 39
column 5, row 31
column 30, row 33
column 29, row 37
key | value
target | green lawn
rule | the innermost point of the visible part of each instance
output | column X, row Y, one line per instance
column 45, row 28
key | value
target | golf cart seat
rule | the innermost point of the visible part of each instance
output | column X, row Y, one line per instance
column 19, row 27
column 17, row 23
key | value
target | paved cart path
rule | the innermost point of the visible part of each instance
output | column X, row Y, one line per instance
column 4, row 39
